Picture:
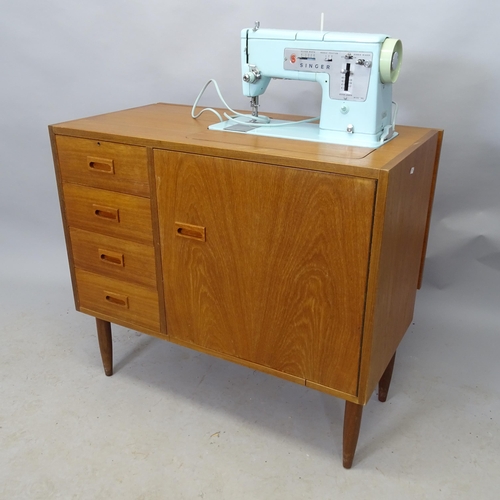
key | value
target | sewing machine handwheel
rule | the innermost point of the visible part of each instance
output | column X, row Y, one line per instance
column 391, row 57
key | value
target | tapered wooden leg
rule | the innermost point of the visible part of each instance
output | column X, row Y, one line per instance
column 352, row 424
column 105, row 345
column 385, row 381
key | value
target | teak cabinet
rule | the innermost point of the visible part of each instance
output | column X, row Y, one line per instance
column 298, row 259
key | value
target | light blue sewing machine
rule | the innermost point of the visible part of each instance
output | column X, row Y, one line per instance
column 356, row 72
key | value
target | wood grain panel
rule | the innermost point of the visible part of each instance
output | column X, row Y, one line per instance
column 129, row 216
column 281, row 278
column 431, row 201
column 156, row 241
column 399, row 234
column 114, row 257
column 136, row 305
column 62, row 205
column 107, row 165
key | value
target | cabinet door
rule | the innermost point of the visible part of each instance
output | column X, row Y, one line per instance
column 266, row 263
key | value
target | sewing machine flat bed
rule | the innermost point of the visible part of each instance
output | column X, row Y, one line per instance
column 295, row 131
column 295, row 258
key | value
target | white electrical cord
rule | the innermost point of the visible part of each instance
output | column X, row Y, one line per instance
column 260, row 121
column 209, row 109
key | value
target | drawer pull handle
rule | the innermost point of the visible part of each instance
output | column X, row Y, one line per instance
column 101, row 165
column 190, row 231
column 111, row 257
column 108, row 213
column 119, row 300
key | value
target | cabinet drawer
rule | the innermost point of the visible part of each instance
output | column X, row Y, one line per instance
column 113, row 257
column 107, row 165
column 117, row 299
column 107, row 212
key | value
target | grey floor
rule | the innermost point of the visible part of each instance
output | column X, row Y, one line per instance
column 175, row 424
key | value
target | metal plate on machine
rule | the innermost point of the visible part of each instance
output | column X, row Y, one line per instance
column 349, row 72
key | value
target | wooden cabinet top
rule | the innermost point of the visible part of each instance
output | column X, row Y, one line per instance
column 170, row 126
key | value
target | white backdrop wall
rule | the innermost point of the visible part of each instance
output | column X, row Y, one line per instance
column 66, row 59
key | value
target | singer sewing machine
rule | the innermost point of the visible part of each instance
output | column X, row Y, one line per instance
column 355, row 71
